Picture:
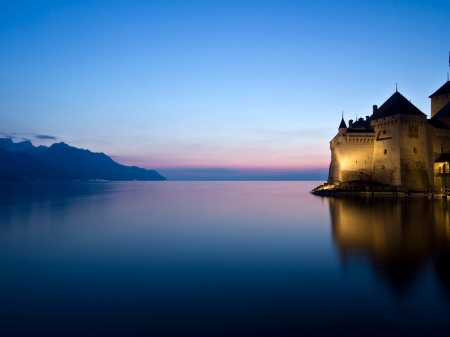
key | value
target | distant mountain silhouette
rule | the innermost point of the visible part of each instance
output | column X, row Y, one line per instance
column 23, row 161
column 21, row 147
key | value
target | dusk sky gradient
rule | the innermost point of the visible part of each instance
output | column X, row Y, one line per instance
column 257, row 85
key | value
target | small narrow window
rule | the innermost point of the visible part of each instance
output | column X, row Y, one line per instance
column 385, row 151
column 384, row 132
column 415, row 150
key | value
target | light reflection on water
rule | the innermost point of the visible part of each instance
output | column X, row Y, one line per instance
column 219, row 258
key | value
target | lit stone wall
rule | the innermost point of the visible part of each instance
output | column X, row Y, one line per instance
column 414, row 161
column 401, row 152
column 386, row 156
column 352, row 157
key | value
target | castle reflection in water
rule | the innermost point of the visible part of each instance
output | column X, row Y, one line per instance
column 401, row 238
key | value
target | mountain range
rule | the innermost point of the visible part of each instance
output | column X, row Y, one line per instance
column 24, row 161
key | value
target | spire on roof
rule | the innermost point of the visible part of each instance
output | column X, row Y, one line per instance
column 342, row 125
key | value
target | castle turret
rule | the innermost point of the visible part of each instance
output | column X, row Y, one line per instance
column 440, row 98
column 400, row 149
column 342, row 128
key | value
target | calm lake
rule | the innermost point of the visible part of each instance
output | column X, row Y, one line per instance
column 219, row 259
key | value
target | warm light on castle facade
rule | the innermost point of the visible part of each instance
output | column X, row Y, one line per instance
column 397, row 145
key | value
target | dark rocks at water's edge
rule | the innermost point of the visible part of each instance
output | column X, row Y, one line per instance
column 339, row 188
column 362, row 187
column 23, row 161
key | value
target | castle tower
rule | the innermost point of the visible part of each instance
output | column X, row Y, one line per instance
column 400, row 147
column 334, row 173
column 351, row 152
column 440, row 98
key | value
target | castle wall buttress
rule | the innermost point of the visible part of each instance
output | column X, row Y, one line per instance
column 414, row 159
column 386, row 152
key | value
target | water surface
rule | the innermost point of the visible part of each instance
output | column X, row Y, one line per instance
column 219, row 259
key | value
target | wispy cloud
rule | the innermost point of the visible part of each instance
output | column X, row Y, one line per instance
column 45, row 137
column 8, row 134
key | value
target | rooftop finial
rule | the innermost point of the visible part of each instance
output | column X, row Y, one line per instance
column 396, row 87
column 342, row 114
column 447, row 76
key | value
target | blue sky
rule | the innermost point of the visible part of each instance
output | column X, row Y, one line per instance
column 238, row 85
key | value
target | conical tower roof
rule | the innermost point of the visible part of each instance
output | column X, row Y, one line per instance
column 396, row 104
column 445, row 89
column 342, row 125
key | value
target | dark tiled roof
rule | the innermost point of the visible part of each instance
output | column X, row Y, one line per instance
column 342, row 125
column 444, row 112
column 396, row 104
column 445, row 89
column 360, row 125
column 437, row 124
column 445, row 157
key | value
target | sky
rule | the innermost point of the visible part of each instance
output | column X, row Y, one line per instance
column 212, row 88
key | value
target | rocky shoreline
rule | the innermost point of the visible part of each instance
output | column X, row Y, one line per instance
column 369, row 190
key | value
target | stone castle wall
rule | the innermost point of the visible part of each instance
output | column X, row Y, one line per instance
column 352, row 157
column 414, row 160
column 386, row 154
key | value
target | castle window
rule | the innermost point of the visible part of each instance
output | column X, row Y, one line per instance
column 384, row 132
column 385, row 151
column 415, row 150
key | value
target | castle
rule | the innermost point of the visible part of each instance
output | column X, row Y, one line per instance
column 397, row 145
